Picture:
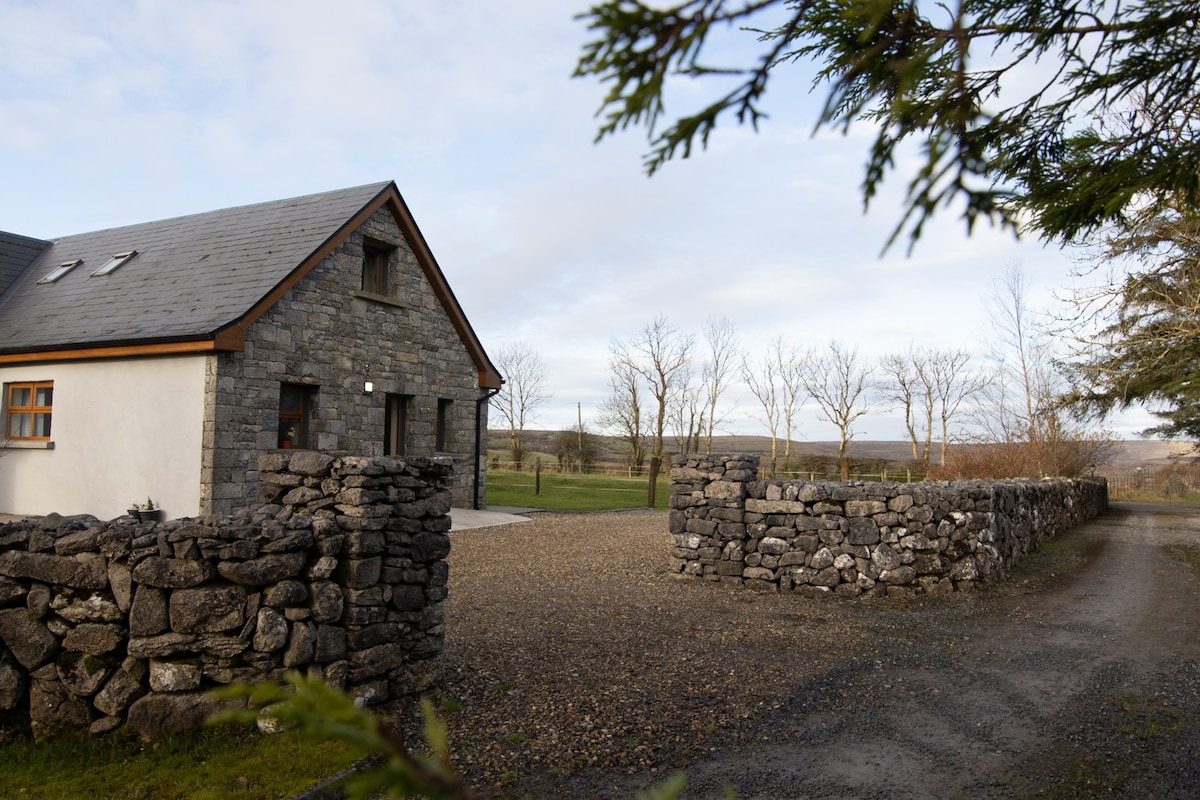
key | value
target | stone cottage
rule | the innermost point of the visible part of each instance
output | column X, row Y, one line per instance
column 160, row 360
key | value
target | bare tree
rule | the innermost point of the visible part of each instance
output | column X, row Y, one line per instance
column 720, row 335
column 686, row 413
column 661, row 355
column 523, row 392
column 792, row 365
column 837, row 379
column 621, row 411
column 776, row 381
column 1022, row 349
column 1019, row 412
column 763, row 379
column 930, row 385
column 909, row 384
column 952, row 386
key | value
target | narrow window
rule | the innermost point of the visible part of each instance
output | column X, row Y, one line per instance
column 295, row 409
column 60, row 270
column 443, row 425
column 29, row 410
column 395, row 425
column 108, row 267
column 375, row 268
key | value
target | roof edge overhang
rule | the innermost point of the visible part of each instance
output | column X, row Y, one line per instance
column 222, row 342
column 389, row 196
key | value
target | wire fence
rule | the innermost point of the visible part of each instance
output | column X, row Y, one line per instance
column 1177, row 482
column 1173, row 483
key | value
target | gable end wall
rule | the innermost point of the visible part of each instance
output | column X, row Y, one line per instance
column 324, row 333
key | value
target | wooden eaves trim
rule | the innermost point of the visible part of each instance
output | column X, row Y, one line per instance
column 221, row 343
column 489, row 376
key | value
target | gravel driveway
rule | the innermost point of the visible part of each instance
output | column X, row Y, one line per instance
column 577, row 665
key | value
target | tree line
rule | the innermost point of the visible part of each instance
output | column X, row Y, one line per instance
column 669, row 392
column 1100, row 151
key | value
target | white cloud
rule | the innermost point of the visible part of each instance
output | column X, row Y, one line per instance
column 122, row 112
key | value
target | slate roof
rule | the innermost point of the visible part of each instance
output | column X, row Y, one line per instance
column 192, row 276
column 16, row 254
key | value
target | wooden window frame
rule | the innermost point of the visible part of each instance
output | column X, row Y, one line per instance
column 442, row 425
column 32, row 410
column 395, row 424
column 377, row 259
column 296, row 434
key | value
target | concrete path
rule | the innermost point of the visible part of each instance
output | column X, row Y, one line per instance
column 466, row 518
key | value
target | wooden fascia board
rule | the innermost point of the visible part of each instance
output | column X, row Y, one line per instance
column 220, row 344
column 489, row 376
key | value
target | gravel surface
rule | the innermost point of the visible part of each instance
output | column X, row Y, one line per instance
column 576, row 664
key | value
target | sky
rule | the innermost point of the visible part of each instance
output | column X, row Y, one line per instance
column 126, row 111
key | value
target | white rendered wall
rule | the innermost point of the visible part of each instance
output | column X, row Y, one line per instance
column 122, row 430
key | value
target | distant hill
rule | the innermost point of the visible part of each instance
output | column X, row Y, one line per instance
column 1127, row 453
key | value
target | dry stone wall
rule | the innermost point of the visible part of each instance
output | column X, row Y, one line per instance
column 341, row 572
column 858, row 538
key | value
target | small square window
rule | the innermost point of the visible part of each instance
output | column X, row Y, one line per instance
column 60, row 270
column 108, row 267
column 29, row 407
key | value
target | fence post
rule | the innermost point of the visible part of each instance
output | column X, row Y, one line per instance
column 654, row 465
column 537, row 476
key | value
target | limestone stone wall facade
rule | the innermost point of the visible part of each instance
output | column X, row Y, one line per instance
column 330, row 337
column 857, row 538
column 340, row 572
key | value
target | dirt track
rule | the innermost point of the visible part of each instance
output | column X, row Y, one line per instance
column 580, row 667
column 1091, row 689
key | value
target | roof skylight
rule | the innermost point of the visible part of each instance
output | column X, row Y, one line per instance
column 110, row 266
column 60, row 270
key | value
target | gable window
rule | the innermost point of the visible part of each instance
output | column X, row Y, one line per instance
column 295, row 412
column 376, row 258
column 443, row 425
column 28, row 410
column 110, row 266
column 395, row 425
column 60, row 270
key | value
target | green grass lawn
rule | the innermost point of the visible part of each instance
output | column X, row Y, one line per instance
column 228, row 763
column 572, row 492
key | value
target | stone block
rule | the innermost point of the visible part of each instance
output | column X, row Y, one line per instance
column 271, row 631
column 148, row 613
column 158, row 714
column 95, row 639
column 264, row 569
column 174, row 676
column 172, row 573
column 82, row 571
column 31, row 642
column 209, row 609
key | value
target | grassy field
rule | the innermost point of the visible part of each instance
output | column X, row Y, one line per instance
column 230, row 763
column 572, row 492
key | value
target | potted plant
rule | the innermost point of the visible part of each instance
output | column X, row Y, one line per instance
column 285, row 441
column 146, row 512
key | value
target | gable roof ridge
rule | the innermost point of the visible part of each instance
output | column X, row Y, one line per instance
column 244, row 207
